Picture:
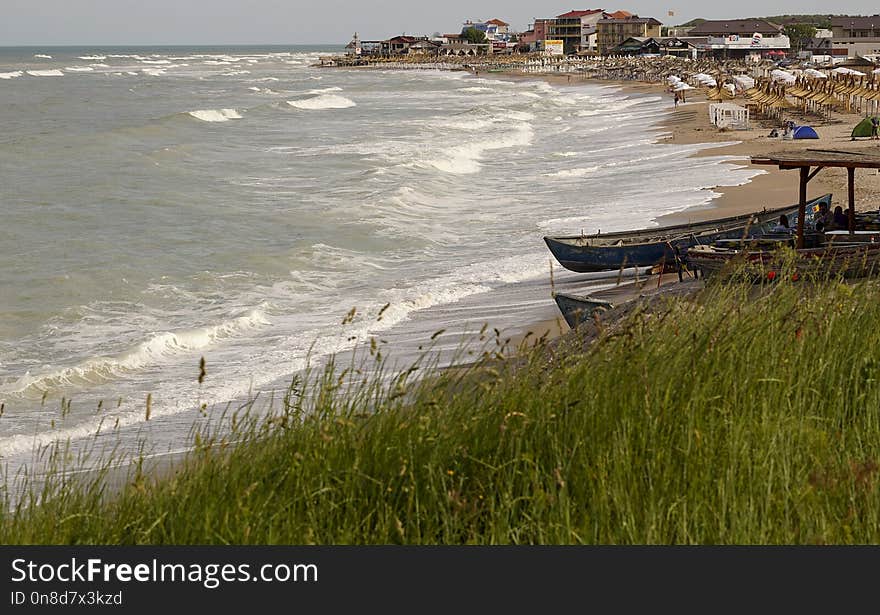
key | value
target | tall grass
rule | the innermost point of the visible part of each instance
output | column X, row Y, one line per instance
column 734, row 417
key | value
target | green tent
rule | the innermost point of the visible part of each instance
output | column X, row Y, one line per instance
column 862, row 129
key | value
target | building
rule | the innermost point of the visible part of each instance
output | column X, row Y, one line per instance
column 686, row 47
column 533, row 38
column 398, row 45
column 612, row 31
column 858, row 35
column 576, row 30
column 502, row 28
column 742, row 38
column 495, row 30
column 637, row 46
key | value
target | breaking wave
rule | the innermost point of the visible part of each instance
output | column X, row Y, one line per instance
column 159, row 347
column 45, row 73
column 215, row 115
column 324, row 101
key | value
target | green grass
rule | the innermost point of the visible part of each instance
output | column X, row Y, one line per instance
column 733, row 418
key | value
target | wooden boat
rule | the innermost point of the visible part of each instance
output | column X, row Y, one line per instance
column 647, row 247
column 849, row 259
column 578, row 309
column 854, row 252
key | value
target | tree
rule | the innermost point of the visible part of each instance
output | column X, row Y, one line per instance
column 473, row 36
column 799, row 34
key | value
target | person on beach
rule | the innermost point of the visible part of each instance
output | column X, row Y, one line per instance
column 875, row 128
column 839, row 220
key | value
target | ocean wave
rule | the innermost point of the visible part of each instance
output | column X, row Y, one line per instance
column 98, row 58
column 324, row 101
column 580, row 172
column 158, row 348
column 325, row 90
column 45, row 73
column 43, row 56
column 12, row 75
column 465, row 159
column 155, row 61
column 153, row 72
column 215, row 115
column 79, row 69
column 476, row 90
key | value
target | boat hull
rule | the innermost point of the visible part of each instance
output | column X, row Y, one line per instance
column 852, row 261
column 649, row 247
column 577, row 309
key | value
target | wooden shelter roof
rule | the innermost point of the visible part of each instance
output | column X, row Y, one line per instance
column 821, row 158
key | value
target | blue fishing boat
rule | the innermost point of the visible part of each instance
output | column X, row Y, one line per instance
column 652, row 246
column 578, row 309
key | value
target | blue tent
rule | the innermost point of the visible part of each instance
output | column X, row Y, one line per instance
column 805, row 132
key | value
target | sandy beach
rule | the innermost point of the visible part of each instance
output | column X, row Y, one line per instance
column 689, row 123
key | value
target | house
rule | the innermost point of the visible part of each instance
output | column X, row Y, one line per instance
column 637, row 46
column 399, row 45
column 501, row 27
column 859, row 35
column 613, row 31
column 494, row 29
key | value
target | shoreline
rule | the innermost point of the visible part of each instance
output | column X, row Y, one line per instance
column 770, row 187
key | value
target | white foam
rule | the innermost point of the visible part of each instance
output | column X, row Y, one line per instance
column 155, row 350
column 45, row 73
column 325, row 90
column 580, row 172
column 154, row 72
column 155, row 61
column 215, row 115
column 79, row 69
column 12, row 75
column 43, row 56
column 98, row 58
column 465, row 159
column 324, row 101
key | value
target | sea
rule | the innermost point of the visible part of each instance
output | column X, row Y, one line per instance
column 160, row 206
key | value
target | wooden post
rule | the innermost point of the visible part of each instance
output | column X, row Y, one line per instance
column 802, row 207
column 851, row 187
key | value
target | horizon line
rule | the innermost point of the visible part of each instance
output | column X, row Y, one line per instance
column 22, row 45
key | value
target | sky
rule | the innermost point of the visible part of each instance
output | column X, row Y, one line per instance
column 208, row 22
